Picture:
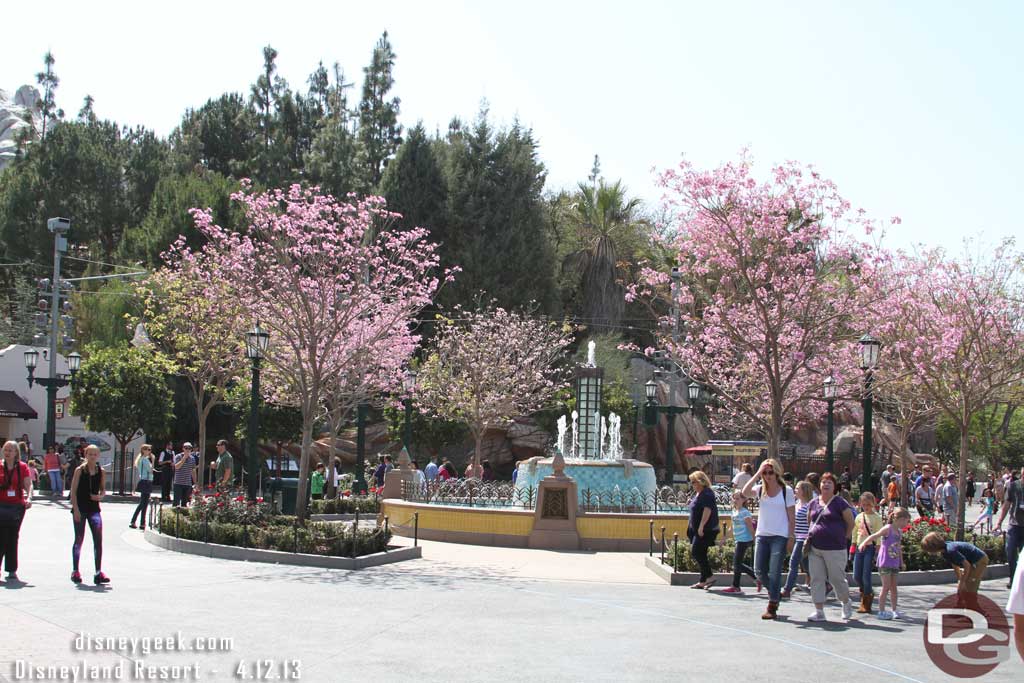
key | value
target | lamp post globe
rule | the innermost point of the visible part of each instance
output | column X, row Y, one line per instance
column 256, row 341
column 74, row 361
column 694, row 392
column 869, row 348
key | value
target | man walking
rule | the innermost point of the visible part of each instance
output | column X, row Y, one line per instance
column 951, row 500
column 430, row 471
column 223, row 467
column 1014, row 507
column 165, row 466
column 184, row 475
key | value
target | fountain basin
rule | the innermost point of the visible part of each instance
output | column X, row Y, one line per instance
column 593, row 476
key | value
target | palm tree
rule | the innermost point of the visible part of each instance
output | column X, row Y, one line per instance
column 607, row 225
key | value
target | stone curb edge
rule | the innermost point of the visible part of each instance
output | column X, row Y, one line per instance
column 918, row 578
column 229, row 552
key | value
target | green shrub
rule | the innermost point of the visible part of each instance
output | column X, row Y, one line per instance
column 345, row 505
column 914, row 557
column 279, row 532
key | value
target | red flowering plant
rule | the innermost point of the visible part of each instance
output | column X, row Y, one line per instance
column 227, row 509
column 917, row 559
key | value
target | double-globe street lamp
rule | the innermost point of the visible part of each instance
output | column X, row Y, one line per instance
column 829, row 389
column 256, row 341
column 869, row 347
column 651, row 411
column 52, row 384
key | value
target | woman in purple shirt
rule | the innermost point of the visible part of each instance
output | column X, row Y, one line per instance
column 831, row 522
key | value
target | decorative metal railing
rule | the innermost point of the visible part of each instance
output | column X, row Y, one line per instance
column 476, row 493
column 470, row 493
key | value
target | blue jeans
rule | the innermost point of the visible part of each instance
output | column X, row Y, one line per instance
column 795, row 560
column 739, row 563
column 769, row 552
column 863, row 560
column 1014, row 544
column 56, row 481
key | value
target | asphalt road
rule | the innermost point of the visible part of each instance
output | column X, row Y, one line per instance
column 433, row 619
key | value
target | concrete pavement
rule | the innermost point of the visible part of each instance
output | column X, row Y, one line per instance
column 460, row 613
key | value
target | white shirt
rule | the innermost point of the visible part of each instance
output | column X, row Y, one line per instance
column 1015, row 605
column 773, row 514
column 741, row 479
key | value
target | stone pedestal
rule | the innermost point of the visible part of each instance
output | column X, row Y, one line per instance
column 554, row 522
column 394, row 479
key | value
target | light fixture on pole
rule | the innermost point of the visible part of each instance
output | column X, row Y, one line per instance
column 651, row 411
column 869, row 348
column 52, row 384
column 409, row 384
column 829, row 391
column 256, row 341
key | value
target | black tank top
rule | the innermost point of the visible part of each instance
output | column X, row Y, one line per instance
column 88, row 484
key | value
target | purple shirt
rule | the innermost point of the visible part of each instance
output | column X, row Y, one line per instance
column 828, row 528
column 889, row 552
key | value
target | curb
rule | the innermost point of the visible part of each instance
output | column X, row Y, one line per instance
column 230, row 552
column 934, row 577
column 347, row 517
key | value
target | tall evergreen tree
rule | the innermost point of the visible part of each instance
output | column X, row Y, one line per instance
column 413, row 183
column 86, row 113
column 496, row 216
column 380, row 134
column 49, row 82
column 222, row 136
column 331, row 162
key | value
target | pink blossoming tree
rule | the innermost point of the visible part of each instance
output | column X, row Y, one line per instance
column 490, row 366
column 330, row 282
column 769, row 285
column 957, row 326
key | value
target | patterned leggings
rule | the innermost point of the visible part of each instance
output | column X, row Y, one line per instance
column 96, row 528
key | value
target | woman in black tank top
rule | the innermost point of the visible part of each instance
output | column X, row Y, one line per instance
column 87, row 488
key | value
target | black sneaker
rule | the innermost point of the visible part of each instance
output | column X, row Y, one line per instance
column 100, row 578
column 76, row 577
column 132, row 526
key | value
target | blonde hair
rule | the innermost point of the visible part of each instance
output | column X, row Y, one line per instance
column 900, row 513
column 699, row 477
column 805, row 490
column 14, row 445
column 867, row 496
column 85, row 461
column 142, row 449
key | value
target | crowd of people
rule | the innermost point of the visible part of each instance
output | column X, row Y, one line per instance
column 822, row 531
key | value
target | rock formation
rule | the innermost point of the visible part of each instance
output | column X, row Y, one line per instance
column 19, row 116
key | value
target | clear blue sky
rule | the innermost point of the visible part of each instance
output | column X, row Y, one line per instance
column 913, row 108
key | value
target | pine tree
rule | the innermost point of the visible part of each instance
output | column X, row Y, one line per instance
column 379, row 131
column 331, row 162
column 413, row 183
column 49, row 81
column 86, row 113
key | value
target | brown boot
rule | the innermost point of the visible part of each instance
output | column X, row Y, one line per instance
column 771, row 612
column 869, row 602
column 863, row 609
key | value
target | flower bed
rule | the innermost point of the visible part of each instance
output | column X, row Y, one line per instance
column 914, row 557
column 346, row 505
column 237, row 522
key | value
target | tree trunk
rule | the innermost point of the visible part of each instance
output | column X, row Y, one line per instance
column 774, row 441
column 329, row 491
column 961, row 501
column 304, row 459
column 904, row 469
column 479, row 450
column 201, row 414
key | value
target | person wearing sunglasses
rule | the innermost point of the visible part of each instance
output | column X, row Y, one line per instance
column 776, row 528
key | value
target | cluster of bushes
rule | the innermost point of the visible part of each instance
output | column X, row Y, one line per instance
column 915, row 558
column 345, row 505
column 274, row 532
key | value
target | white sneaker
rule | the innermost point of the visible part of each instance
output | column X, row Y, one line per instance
column 817, row 615
column 885, row 616
column 899, row 615
column 847, row 610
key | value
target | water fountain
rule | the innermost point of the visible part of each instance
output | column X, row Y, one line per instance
column 591, row 445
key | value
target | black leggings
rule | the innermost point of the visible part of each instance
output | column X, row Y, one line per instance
column 96, row 529
column 700, row 553
column 739, row 563
column 9, row 532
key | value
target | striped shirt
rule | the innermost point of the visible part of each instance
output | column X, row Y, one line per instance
column 801, row 522
column 183, row 476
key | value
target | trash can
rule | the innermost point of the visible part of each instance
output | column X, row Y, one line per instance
column 289, row 490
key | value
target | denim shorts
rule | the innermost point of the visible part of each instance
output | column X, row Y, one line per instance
column 888, row 571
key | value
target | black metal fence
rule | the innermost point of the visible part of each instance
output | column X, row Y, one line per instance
column 470, row 493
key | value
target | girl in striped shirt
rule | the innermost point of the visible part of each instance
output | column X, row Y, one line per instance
column 804, row 494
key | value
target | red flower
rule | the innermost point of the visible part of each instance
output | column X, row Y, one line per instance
column 259, row 500
column 905, row 529
column 216, row 495
column 220, row 505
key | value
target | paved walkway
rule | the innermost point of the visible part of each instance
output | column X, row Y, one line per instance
column 460, row 613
